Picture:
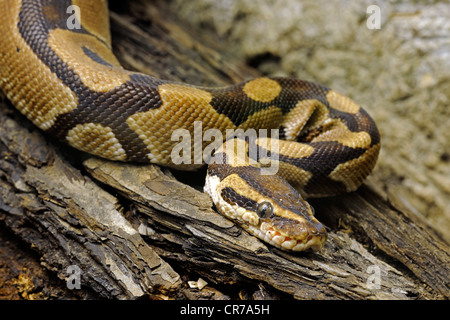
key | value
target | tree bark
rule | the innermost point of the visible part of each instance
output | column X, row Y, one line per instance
column 127, row 227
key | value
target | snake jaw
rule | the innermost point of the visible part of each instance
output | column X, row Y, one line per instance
column 309, row 240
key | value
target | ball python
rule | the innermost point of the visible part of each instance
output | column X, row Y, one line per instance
column 58, row 69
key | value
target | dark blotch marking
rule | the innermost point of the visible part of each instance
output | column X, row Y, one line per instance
column 109, row 109
column 95, row 57
column 237, row 106
column 326, row 157
column 358, row 122
column 234, row 198
column 367, row 124
column 51, row 11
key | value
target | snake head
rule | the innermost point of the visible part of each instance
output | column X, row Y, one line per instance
column 266, row 206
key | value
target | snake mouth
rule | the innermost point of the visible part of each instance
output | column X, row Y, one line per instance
column 312, row 241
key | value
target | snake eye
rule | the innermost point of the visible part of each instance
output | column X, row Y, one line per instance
column 264, row 209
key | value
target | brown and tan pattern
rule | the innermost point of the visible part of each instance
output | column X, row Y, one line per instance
column 65, row 79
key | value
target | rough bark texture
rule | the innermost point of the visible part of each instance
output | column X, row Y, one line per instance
column 143, row 231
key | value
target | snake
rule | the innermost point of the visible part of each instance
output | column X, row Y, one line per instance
column 58, row 69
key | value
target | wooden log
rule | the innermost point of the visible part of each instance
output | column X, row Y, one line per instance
column 72, row 212
column 71, row 221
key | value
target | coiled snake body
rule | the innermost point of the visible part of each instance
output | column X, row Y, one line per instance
column 68, row 82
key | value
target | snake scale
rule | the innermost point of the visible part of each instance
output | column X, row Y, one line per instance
column 67, row 81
